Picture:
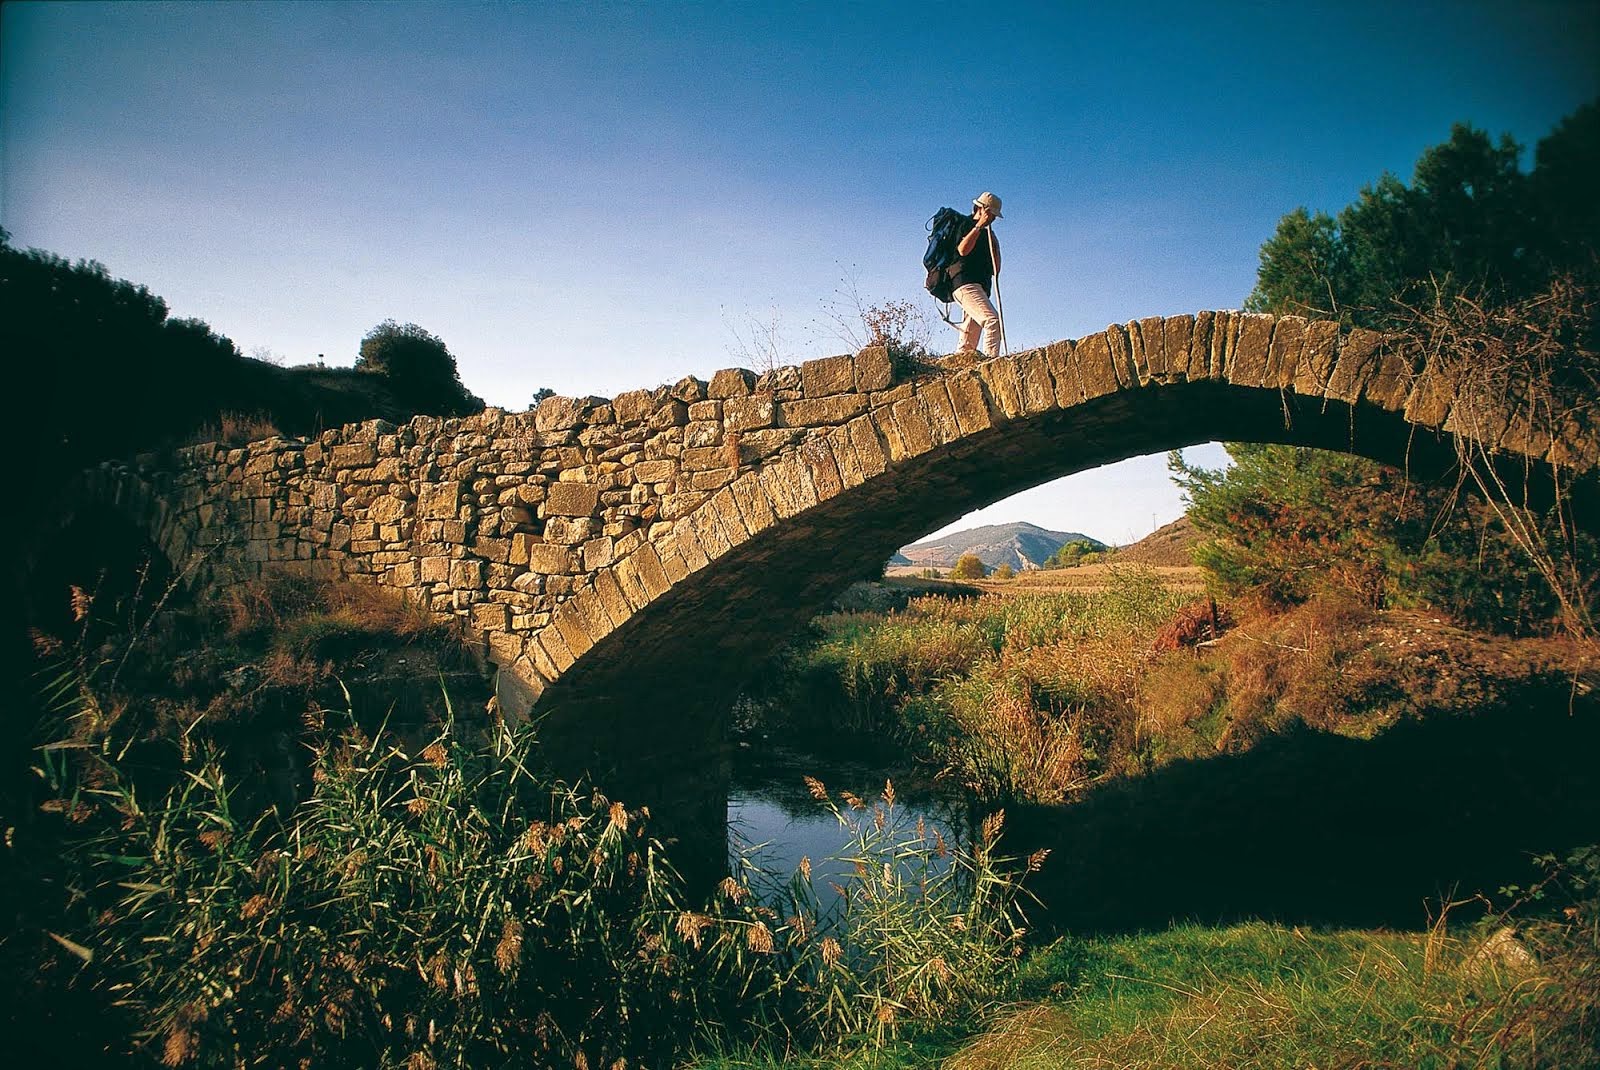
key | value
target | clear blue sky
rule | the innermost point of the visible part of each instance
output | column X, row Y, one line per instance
column 594, row 197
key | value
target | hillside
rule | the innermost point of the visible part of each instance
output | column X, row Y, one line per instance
column 1171, row 544
column 1019, row 545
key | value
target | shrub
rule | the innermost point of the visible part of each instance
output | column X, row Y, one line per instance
column 1004, row 572
column 419, row 367
column 969, row 567
column 443, row 908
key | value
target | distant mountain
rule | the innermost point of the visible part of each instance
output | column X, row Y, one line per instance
column 1018, row 545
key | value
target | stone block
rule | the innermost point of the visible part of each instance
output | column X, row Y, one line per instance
column 731, row 383
column 726, row 510
column 699, row 434
column 826, row 376
column 672, row 413
column 435, row 570
column 1430, row 400
column 572, row 499
column 1224, row 337
column 651, row 570
column 466, row 574
column 703, row 457
column 785, row 483
column 749, row 413
column 634, row 406
column 816, row 412
column 1357, row 361
column 1247, row 364
column 626, row 575
column 689, row 390
column 967, row 401
column 598, row 553
column 550, row 559
column 611, row 598
column 1003, row 386
column 490, row 617
column 915, row 430
column 873, row 369
column 558, row 413
column 1091, row 357
column 754, row 508
column 1157, row 366
column 1392, row 379
column 868, row 446
column 941, row 413
column 571, row 626
column 888, row 432
column 1283, row 357
column 354, row 455
column 844, row 455
column 820, row 465
column 674, row 506
column 1038, row 390
column 553, row 641
column 386, row 509
column 1316, row 358
column 439, row 501
column 1121, row 351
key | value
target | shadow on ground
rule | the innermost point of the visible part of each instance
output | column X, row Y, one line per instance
column 1324, row 830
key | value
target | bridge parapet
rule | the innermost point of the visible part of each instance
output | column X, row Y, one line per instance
column 550, row 532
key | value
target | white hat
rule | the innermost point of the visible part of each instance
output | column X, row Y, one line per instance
column 989, row 201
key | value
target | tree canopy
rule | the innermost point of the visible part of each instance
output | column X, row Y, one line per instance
column 1480, row 256
column 419, row 366
column 1470, row 221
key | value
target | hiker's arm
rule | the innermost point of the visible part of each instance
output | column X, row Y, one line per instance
column 968, row 242
column 994, row 248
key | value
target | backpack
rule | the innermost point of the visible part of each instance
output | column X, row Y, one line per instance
column 943, row 230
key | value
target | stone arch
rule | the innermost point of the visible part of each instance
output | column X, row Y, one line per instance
column 680, row 620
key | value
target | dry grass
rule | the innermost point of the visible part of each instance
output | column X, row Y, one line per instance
column 235, row 429
column 300, row 612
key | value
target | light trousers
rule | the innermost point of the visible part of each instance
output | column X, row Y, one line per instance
column 980, row 318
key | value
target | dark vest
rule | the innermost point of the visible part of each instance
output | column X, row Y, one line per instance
column 977, row 266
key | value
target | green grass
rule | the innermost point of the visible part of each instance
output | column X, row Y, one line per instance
column 1263, row 997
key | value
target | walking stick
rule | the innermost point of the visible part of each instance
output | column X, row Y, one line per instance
column 999, row 310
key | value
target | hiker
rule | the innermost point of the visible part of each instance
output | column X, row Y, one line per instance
column 977, row 263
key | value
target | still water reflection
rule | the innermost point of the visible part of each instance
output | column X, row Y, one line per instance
column 774, row 822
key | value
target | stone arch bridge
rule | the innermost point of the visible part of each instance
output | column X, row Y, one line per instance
column 617, row 559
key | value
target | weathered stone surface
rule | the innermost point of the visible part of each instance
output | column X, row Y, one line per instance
column 731, row 383
column 873, row 369
column 749, row 413
column 1038, row 390
column 826, row 376
column 967, row 401
column 1004, row 388
column 940, row 410
column 1283, row 358
column 810, row 412
column 572, row 499
column 1248, row 361
column 439, row 501
column 557, row 413
column 1121, row 351
column 868, row 446
column 633, row 406
column 354, row 455
column 1357, row 361
column 1316, row 358
column 1091, row 357
column 549, row 559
